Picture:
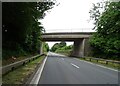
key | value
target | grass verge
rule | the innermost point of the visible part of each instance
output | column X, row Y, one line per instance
column 103, row 63
column 18, row 76
column 15, row 59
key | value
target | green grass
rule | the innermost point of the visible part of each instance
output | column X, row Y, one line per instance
column 17, row 76
column 64, row 52
column 10, row 60
column 110, row 64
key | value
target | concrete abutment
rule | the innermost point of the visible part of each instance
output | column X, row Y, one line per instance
column 81, row 48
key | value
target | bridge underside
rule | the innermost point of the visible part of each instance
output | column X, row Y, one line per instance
column 81, row 46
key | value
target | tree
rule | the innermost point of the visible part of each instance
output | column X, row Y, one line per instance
column 45, row 47
column 66, row 50
column 20, row 27
column 106, row 41
column 58, row 45
column 54, row 47
column 62, row 43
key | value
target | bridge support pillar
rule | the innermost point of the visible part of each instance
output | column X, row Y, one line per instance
column 81, row 48
column 78, row 48
column 87, row 48
column 41, row 48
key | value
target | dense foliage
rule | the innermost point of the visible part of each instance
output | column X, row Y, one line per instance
column 106, row 40
column 58, row 45
column 62, row 48
column 45, row 47
column 20, row 27
column 66, row 50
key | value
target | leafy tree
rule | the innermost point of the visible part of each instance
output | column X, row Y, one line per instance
column 58, row 45
column 20, row 27
column 106, row 40
column 45, row 47
column 65, row 50
column 54, row 47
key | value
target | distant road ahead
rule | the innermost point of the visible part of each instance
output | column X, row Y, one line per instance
column 60, row 70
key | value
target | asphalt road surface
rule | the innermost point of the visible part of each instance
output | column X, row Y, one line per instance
column 63, row 70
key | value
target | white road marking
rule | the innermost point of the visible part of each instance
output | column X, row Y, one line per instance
column 74, row 65
column 38, row 74
column 97, row 65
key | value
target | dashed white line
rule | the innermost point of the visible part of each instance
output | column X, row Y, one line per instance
column 74, row 65
column 98, row 65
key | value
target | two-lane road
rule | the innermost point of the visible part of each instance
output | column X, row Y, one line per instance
column 61, row 70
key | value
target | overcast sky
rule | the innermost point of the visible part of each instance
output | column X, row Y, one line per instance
column 69, row 16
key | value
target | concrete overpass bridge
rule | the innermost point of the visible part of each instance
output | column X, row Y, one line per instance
column 81, row 46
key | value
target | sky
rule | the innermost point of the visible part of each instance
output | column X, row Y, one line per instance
column 69, row 16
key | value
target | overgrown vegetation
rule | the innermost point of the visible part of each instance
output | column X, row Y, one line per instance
column 20, row 27
column 45, row 47
column 57, row 46
column 21, row 75
column 109, row 64
column 62, row 48
column 66, row 50
column 106, row 40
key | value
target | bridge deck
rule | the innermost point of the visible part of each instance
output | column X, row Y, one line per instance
column 65, row 36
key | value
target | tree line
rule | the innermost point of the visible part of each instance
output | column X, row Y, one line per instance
column 21, row 29
column 106, row 40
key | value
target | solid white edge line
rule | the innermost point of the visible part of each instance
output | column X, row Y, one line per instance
column 97, row 65
column 74, row 65
column 38, row 74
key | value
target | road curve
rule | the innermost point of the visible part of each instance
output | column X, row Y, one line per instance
column 59, row 69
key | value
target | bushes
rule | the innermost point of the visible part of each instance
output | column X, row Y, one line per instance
column 58, row 46
column 8, row 53
column 45, row 47
column 65, row 50
column 62, row 48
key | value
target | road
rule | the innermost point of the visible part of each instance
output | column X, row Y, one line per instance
column 63, row 70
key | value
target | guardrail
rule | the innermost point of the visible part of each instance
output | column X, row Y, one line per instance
column 106, row 61
column 11, row 67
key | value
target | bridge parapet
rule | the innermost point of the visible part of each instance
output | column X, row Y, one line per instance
column 69, row 36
